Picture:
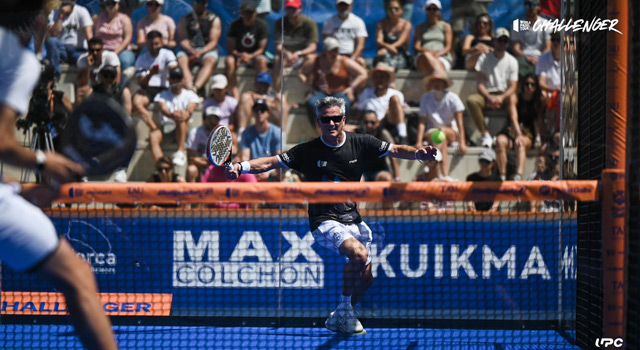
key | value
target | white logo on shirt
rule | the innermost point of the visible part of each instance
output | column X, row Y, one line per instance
column 322, row 163
column 383, row 146
column 353, row 161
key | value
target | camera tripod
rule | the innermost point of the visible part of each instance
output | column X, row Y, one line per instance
column 40, row 137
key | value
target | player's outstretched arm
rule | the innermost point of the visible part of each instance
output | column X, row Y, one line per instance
column 253, row 166
column 426, row 154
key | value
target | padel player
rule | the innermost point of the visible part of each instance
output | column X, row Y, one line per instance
column 338, row 156
column 28, row 240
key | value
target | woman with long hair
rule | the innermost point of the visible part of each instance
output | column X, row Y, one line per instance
column 116, row 31
column 479, row 41
column 433, row 41
column 156, row 21
column 392, row 37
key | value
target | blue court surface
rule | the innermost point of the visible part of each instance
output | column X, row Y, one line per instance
column 175, row 338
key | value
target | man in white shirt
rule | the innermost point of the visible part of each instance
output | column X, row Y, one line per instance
column 174, row 106
column 387, row 102
column 90, row 64
column 529, row 45
column 548, row 67
column 152, row 68
column 497, row 80
column 349, row 29
column 69, row 29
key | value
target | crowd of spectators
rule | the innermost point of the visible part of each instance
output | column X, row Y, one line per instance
column 172, row 66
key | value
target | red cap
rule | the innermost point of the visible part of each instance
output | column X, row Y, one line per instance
column 293, row 3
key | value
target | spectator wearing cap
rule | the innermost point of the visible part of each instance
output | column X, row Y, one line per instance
column 486, row 162
column 69, row 28
column 156, row 21
column 89, row 65
column 380, row 168
column 262, row 139
column 197, row 143
column 246, row 44
column 433, row 41
column 496, row 81
column 330, row 74
column 441, row 109
column 277, row 103
column 299, row 41
column 219, row 98
column 107, row 86
column 387, row 102
column 392, row 37
column 116, row 31
column 174, row 106
column 349, row 29
column 152, row 70
column 198, row 35
column 529, row 45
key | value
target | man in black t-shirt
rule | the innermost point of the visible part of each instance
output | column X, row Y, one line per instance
column 487, row 172
column 338, row 156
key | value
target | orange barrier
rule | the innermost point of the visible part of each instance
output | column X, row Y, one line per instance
column 323, row 192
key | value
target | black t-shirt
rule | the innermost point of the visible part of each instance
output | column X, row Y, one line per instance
column 318, row 161
column 483, row 206
column 248, row 38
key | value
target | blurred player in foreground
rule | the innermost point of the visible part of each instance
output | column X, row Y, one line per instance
column 32, row 244
column 338, row 156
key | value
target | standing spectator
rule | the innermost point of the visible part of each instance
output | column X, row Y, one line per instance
column 299, row 42
column 330, row 74
column 156, row 21
column 381, row 168
column 219, row 98
column 433, row 41
column 152, row 69
column 497, row 80
column 479, row 41
column 69, row 29
column 116, row 31
column 89, row 65
column 261, row 139
column 392, row 37
column 387, row 102
column 197, row 140
column 349, row 29
column 441, row 109
column 519, row 133
column 198, row 35
column 486, row 161
column 246, row 44
column 528, row 45
column 277, row 103
column 173, row 106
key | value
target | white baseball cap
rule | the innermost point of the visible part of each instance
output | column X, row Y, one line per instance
column 348, row 2
column 433, row 2
column 213, row 110
column 219, row 81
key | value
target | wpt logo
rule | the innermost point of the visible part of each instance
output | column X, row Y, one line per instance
column 606, row 342
column 519, row 24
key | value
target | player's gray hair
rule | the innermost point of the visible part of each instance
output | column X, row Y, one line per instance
column 331, row 101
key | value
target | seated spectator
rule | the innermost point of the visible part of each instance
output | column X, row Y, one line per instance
column 217, row 174
column 433, row 41
column 497, row 80
column 299, row 41
column 386, row 102
column 89, row 65
column 546, row 169
column 226, row 103
column 330, row 74
column 279, row 111
column 116, row 31
column 261, row 139
column 522, row 128
column 156, row 21
column 165, row 172
column 198, row 35
column 197, row 143
column 392, row 37
column 173, row 106
column 441, row 109
column 487, row 172
column 379, row 169
column 246, row 44
column 479, row 41
column 107, row 86
column 152, row 69
column 462, row 11
column 349, row 30
column 69, row 29
column 549, row 77
column 529, row 45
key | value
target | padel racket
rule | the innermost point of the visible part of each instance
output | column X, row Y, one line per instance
column 219, row 146
column 99, row 136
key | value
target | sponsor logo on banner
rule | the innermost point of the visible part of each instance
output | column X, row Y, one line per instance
column 356, row 193
column 135, row 192
column 197, row 263
column 186, row 193
column 114, row 304
column 99, row 254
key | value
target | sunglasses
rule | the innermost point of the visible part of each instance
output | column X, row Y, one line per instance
column 95, row 50
column 153, row 4
column 484, row 161
column 503, row 40
column 529, row 5
column 530, row 84
column 335, row 118
column 432, row 9
column 260, row 110
column 163, row 169
column 394, row 9
column 108, row 75
column 484, row 23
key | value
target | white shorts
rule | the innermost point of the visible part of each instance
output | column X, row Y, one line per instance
column 27, row 236
column 330, row 234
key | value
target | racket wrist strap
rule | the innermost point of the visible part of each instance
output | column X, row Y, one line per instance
column 416, row 156
column 245, row 167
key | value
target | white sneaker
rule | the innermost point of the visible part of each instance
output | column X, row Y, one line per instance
column 487, row 140
column 344, row 320
column 179, row 158
column 120, row 175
